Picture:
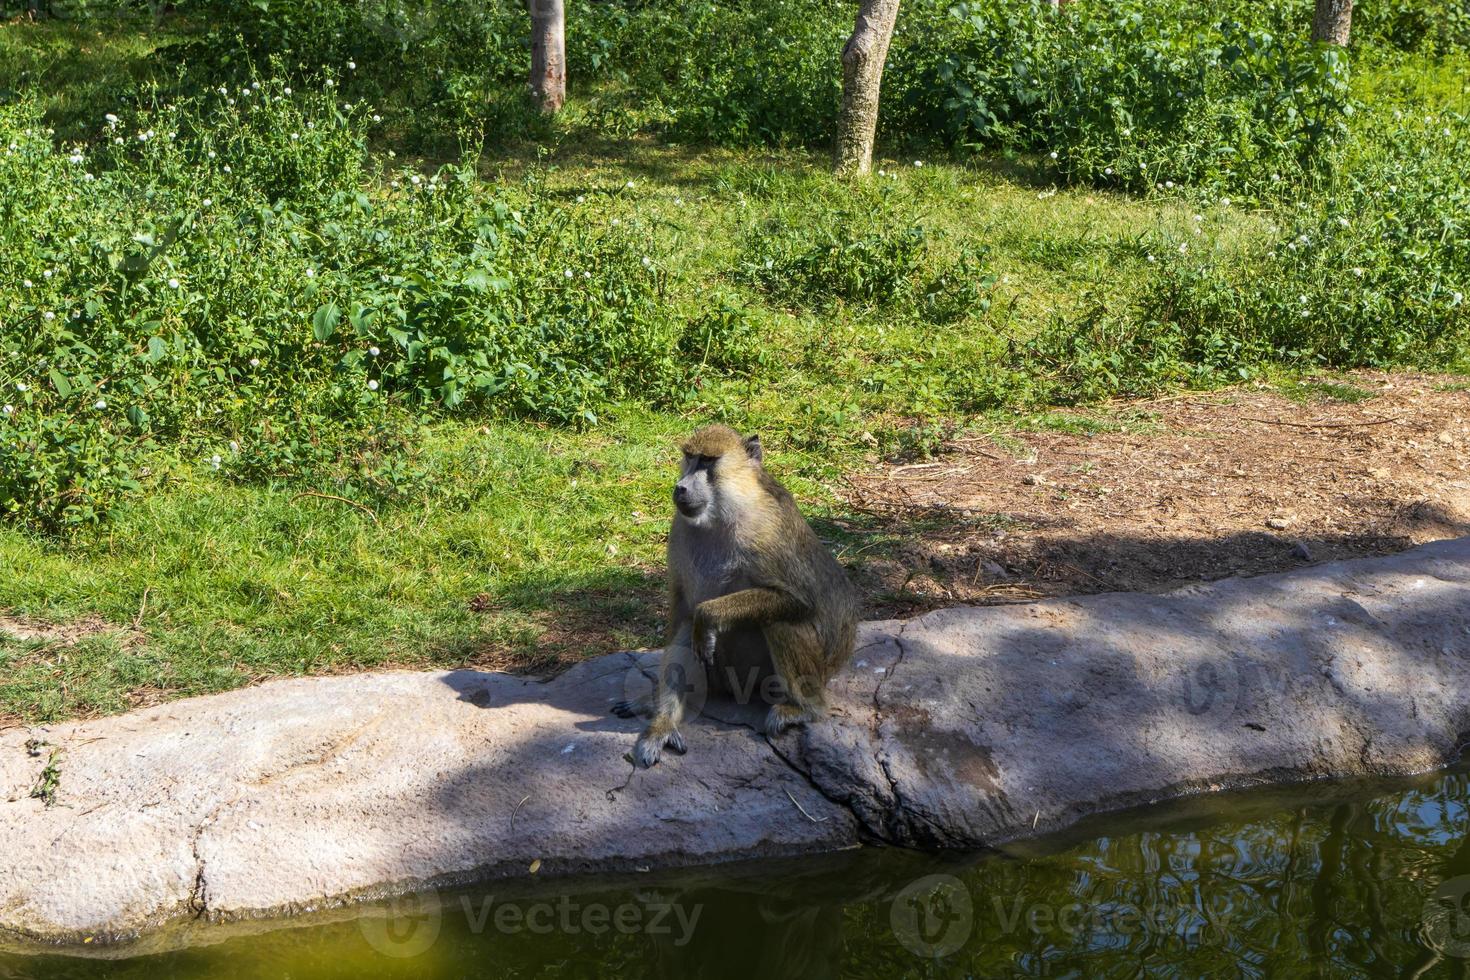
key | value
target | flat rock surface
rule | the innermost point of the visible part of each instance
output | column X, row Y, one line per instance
column 961, row 728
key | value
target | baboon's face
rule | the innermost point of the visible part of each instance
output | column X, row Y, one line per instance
column 694, row 494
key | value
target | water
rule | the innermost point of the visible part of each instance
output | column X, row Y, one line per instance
column 1329, row 880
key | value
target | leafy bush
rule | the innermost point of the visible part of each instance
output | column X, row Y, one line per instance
column 220, row 275
column 864, row 254
column 1373, row 272
column 1131, row 94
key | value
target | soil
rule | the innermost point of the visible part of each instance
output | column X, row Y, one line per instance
column 1152, row 495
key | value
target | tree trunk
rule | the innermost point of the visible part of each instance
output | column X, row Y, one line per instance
column 862, row 75
column 1332, row 21
column 548, row 54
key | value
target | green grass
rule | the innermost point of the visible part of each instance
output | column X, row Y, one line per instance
column 561, row 530
column 529, row 545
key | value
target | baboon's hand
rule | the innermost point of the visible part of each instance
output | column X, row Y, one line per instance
column 706, row 635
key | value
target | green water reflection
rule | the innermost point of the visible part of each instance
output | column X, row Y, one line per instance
column 1331, row 880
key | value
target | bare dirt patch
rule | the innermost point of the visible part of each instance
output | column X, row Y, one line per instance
column 58, row 634
column 1151, row 495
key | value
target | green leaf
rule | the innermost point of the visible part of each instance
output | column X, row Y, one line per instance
column 156, row 350
column 324, row 321
column 63, row 387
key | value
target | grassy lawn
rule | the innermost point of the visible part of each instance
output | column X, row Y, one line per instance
column 525, row 545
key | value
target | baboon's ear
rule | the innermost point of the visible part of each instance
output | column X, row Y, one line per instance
column 753, row 448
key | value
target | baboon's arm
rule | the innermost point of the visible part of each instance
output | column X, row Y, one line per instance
column 756, row 606
column 680, row 616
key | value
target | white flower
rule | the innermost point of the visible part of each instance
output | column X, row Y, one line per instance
column 75, row 158
column 1053, row 154
column 1343, row 222
column 415, row 179
column 227, row 168
column 88, row 177
column 629, row 185
column 117, row 140
column 111, row 119
column 207, row 201
column 1127, row 132
column 255, row 362
column 47, row 273
column 1225, row 202
column 377, row 118
column 22, row 386
column 918, row 163
column 372, row 386
column 1169, row 184
column 50, row 315
column 295, row 136
column 1302, row 297
column 234, row 446
column 329, row 83
column 1358, row 272
column 647, row 262
column 1108, row 171
column 1198, row 217
column 173, row 284
column 881, row 173
column 568, row 273
column 352, row 65
column 616, row 222
column 581, row 198
column 1275, row 176
column 1183, row 247
column 1457, row 296
column 255, row 85
column 586, row 274
column 8, row 409
column 374, row 351
column 101, row 404
column 1152, row 259
column 310, row 273
column 214, row 461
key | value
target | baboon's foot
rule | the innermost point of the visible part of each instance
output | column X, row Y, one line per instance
column 784, row 716
column 651, row 744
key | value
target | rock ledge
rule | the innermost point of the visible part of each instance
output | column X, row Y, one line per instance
column 961, row 728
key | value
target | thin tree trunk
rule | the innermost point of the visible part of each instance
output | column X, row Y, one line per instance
column 548, row 54
column 1332, row 21
column 862, row 76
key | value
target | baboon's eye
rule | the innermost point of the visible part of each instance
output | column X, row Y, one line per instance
column 707, row 460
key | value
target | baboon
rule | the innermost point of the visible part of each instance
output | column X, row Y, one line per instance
column 754, row 596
